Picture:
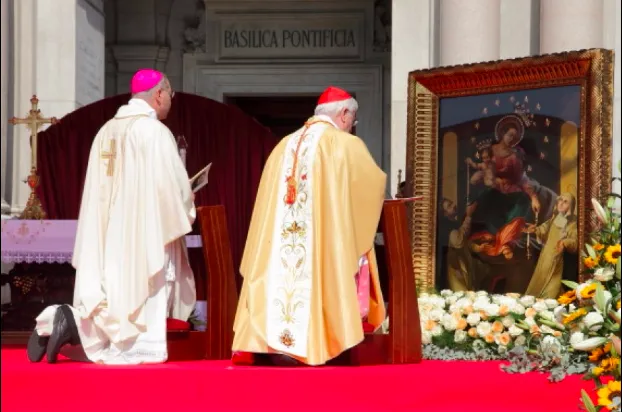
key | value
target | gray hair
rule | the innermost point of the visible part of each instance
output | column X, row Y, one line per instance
column 148, row 94
column 333, row 108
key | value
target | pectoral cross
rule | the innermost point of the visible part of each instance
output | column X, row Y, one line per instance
column 110, row 156
column 33, row 122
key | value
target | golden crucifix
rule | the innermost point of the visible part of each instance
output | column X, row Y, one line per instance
column 33, row 122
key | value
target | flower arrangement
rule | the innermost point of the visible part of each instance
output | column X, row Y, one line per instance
column 577, row 333
column 477, row 325
column 593, row 307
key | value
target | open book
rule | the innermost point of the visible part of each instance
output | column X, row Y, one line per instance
column 200, row 179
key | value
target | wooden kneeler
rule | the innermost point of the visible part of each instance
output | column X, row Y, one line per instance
column 222, row 297
column 403, row 342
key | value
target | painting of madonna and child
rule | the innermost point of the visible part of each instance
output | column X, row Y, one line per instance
column 507, row 187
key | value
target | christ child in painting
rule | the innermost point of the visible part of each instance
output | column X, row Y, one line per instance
column 485, row 169
column 558, row 234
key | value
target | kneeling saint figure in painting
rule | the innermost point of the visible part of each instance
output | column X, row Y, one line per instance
column 558, row 234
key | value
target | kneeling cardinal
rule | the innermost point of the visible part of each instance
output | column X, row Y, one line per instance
column 310, row 275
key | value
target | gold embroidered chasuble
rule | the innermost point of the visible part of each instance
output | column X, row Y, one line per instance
column 316, row 214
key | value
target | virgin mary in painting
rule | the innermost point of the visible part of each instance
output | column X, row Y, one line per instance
column 502, row 210
column 515, row 163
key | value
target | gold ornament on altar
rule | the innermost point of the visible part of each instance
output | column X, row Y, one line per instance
column 34, row 121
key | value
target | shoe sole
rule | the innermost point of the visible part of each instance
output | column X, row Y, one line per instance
column 37, row 346
column 54, row 345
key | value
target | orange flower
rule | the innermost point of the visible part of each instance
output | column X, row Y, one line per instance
column 472, row 332
column 490, row 338
column 530, row 312
column 429, row 325
column 505, row 339
column 574, row 315
column 504, row 310
column 612, row 254
column 589, row 291
column 609, row 364
column 590, row 263
column 567, row 298
column 497, row 327
column 462, row 324
column 598, row 247
column 607, row 393
column 607, row 347
column 596, row 354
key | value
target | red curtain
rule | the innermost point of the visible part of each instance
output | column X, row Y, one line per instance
column 236, row 144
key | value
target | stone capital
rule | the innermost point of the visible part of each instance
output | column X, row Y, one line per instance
column 132, row 57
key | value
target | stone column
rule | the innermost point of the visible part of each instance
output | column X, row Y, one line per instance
column 567, row 25
column 570, row 25
column 412, row 48
column 24, row 63
column 5, row 26
column 519, row 28
column 469, row 31
column 61, row 60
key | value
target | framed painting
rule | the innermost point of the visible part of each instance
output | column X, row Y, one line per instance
column 507, row 156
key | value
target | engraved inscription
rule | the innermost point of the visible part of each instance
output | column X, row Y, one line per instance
column 291, row 37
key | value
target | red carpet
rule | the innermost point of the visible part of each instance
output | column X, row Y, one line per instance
column 217, row 386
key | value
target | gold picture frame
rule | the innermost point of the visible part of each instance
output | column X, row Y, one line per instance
column 590, row 70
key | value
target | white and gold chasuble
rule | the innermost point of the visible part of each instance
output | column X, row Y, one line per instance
column 132, row 269
column 290, row 269
column 314, row 221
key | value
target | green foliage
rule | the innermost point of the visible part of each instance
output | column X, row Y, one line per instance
column 587, row 402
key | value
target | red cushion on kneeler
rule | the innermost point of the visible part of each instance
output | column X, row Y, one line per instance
column 368, row 328
column 177, row 325
column 242, row 358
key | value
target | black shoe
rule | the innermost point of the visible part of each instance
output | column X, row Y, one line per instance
column 36, row 346
column 64, row 332
column 279, row 359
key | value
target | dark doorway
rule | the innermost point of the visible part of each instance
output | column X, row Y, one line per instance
column 281, row 114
